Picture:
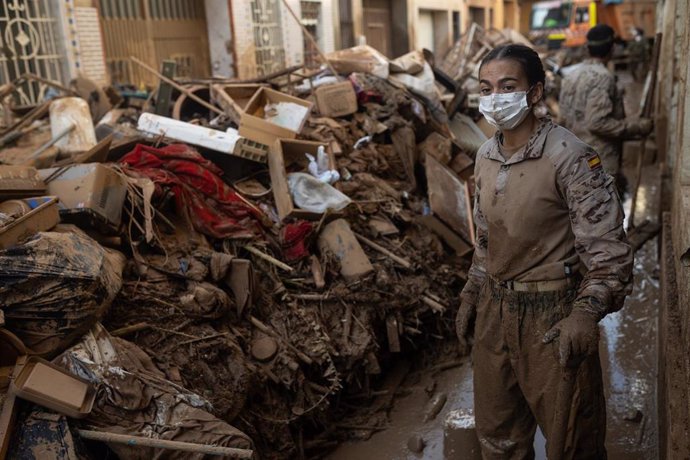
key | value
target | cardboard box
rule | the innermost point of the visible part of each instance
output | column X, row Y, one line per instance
column 20, row 182
column 86, row 192
column 289, row 154
column 336, row 100
column 43, row 216
column 51, row 386
column 233, row 99
column 255, row 127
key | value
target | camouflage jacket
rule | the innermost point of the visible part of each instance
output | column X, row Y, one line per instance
column 547, row 211
column 592, row 107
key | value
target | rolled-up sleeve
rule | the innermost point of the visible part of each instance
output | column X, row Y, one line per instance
column 596, row 217
column 477, row 272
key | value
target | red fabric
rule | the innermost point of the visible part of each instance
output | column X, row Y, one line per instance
column 293, row 240
column 364, row 96
column 213, row 206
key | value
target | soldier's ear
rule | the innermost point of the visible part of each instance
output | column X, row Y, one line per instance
column 536, row 94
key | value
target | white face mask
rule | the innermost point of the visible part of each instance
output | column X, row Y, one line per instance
column 504, row 111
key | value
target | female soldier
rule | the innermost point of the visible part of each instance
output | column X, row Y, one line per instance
column 551, row 260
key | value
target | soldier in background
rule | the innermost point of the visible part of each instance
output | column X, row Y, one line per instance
column 592, row 106
column 639, row 53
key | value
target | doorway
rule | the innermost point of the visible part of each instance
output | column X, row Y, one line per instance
column 377, row 25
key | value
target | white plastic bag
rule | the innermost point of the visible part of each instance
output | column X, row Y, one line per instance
column 312, row 195
column 319, row 167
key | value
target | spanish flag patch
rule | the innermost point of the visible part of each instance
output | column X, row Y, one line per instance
column 594, row 162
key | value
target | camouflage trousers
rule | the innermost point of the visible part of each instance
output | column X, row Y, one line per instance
column 517, row 378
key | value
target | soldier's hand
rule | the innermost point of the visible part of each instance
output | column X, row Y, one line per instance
column 645, row 126
column 464, row 326
column 578, row 336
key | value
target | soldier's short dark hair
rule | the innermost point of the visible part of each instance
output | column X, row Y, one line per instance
column 600, row 40
column 528, row 58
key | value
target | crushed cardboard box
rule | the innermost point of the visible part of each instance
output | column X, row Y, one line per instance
column 88, row 191
column 255, row 126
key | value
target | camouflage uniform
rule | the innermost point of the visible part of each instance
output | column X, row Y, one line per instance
column 549, row 231
column 639, row 51
column 592, row 107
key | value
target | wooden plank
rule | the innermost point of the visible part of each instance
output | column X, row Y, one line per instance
column 8, row 413
column 130, row 440
column 393, row 332
column 448, row 236
column 405, row 146
column 449, row 198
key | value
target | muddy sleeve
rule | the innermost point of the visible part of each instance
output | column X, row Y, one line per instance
column 599, row 113
column 596, row 217
column 477, row 272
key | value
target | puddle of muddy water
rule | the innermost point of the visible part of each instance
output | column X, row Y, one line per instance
column 629, row 359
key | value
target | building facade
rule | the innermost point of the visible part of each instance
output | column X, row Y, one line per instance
column 55, row 40
column 60, row 39
column 395, row 27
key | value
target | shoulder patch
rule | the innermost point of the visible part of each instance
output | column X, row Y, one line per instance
column 594, row 162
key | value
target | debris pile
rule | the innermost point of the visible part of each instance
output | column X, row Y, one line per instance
column 240, row 275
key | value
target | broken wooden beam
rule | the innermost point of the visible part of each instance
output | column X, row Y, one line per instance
column 267, row 258
column 448, row 236
column 177, row 86
column 377, row 247
column 393, row 333
column 317, row 272
column 433, row 304
column 130, row 329
column 142, row 441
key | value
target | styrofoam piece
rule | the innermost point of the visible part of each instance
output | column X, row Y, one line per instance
column 188, row 133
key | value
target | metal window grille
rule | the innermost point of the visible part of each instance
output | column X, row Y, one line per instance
column 176, row 9
column 311, row 16
column 268, row 36
column 30, row 43
column 121, row 9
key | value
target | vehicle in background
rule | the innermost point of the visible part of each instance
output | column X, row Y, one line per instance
column 558, row 23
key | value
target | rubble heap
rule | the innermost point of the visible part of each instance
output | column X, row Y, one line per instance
column 240, row 275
